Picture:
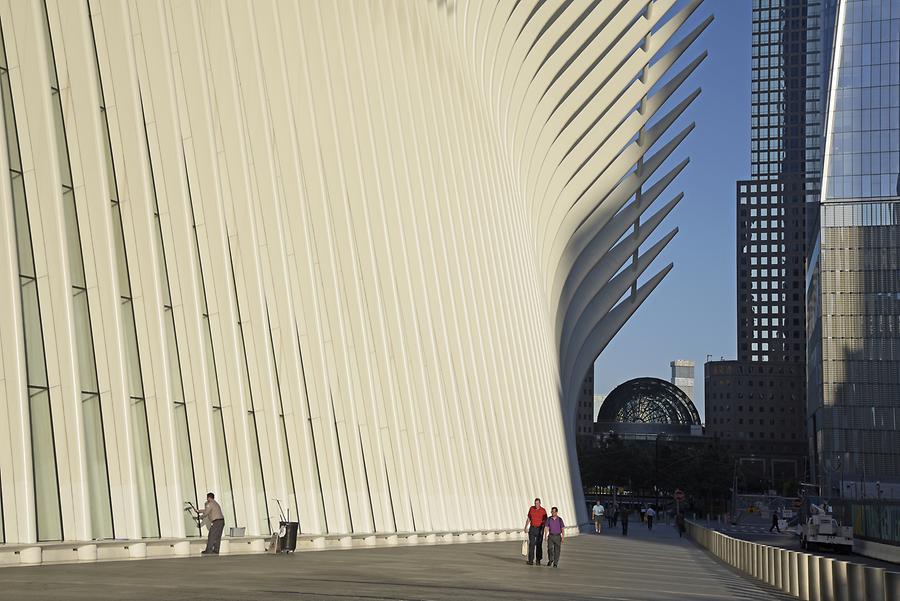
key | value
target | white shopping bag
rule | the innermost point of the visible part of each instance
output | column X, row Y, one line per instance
column 525, row 548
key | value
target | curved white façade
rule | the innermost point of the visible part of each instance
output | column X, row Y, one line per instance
column 353, row 256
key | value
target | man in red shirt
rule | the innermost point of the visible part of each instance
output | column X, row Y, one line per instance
column 534, row 527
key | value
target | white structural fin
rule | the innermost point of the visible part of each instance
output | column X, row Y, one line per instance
column 338, row 258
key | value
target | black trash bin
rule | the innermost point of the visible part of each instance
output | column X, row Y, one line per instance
column 288, row 542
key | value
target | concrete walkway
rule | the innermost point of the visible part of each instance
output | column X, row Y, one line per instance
column 642, row 567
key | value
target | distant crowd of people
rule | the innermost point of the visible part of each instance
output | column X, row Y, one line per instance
column 618, row 513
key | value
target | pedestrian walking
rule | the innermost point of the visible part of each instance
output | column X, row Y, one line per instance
column 598, row 511
column 212, row 512
column 679, row 523
column 623, row 517
column 555, row 536
column 643, row 513
column 650, row 514
column 534, row 527
column 774, row 525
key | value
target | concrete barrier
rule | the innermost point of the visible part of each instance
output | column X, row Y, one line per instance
column 776, row 568
column 785, row 571
column 826, row 582
column 87, row 553
column 31, row 555
column 813, row 574
column 771, row 575
column 892, row 586
column 754, row 559
column 760, row 561
column 856, row 582
column 794, row 577
column 874, row 583
column 802, row 575
column 839, row 580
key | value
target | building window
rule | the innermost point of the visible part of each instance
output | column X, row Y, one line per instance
column 96, row 474
column 48, row 512
column 137, row 414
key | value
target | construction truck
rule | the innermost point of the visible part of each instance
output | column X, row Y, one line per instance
column 818, row 527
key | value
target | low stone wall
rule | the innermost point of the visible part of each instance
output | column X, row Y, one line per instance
column 877, row 550
column 804, row 575
column 125, row 550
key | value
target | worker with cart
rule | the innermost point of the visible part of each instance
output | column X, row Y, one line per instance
column 212, row 517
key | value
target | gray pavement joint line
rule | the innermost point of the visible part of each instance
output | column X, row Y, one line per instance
column 380, row 598
column 750, row 587
column 749, row 592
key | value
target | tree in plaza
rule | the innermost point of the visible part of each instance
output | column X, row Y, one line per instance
column 617, row 462
column 702, row 469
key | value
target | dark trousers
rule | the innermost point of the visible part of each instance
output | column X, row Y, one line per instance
column 535, row 544
column 215, row 536
column 649, row 522
column 554, row 546
column 625, row 527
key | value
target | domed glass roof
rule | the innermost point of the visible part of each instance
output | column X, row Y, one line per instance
column 648, row 401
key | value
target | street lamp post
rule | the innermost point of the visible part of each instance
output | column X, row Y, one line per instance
column 656, row 468
column 734, row 493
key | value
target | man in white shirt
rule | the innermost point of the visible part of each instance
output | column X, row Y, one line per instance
column 650, row 514
column 212, row 512
column 599, row 511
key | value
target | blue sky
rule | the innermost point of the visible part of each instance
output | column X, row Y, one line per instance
column 692, row 313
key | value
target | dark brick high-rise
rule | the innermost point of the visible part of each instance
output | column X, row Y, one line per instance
column 756, row 404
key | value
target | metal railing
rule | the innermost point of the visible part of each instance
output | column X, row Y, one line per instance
column 877, row 521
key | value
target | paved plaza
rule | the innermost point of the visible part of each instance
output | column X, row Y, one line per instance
column 641, row 567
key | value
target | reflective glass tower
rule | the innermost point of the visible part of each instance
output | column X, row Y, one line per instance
column 853, row 282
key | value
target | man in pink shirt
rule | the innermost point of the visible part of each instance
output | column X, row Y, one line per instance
column 555, row 528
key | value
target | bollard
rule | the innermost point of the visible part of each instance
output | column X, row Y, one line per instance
column 874, row 584
column 754, row 560
column 892, row 586
column 856, row 582
column 785, row 570
column 826, row 581
column 776, row 557
column 803, row 576
column 770, row 565
column 761, row 562
column 813, row 577
column 839, row 580
column 795, row 557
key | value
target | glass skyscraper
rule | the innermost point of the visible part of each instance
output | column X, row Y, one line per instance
column 853, row 275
